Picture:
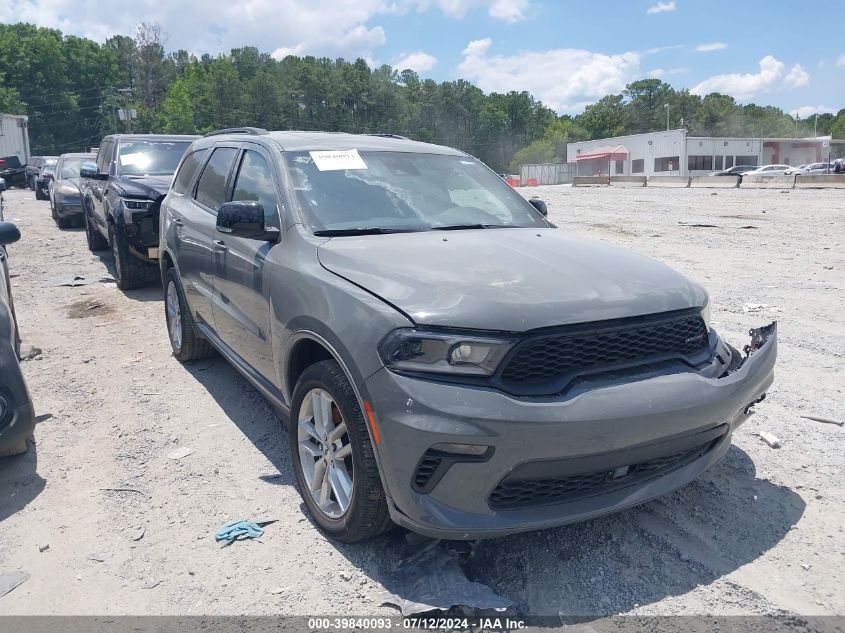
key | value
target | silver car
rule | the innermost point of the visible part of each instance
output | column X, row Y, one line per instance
column 446, row 359
column 65, row 198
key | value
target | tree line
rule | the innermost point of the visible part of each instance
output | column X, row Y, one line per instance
column 76, row 90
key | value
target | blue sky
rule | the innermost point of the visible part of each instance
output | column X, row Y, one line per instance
column 568, row 54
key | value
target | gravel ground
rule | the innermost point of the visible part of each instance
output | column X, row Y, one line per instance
column 762, row 532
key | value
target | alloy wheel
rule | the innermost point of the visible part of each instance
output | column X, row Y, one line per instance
column 174, row 315
column 325, row 453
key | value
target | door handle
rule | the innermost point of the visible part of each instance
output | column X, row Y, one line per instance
column 220, row 246
column 176, row 222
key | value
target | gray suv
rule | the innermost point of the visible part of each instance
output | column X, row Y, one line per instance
column 447, row 359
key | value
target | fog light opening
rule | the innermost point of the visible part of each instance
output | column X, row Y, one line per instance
column 473, row 450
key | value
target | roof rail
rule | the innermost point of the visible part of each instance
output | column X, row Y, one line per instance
column 388, row 135
column 255, row 131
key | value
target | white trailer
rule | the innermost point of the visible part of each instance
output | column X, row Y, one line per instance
column 14, row 136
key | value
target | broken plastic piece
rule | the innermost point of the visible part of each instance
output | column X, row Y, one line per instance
column 432, row 579
column 770, row 439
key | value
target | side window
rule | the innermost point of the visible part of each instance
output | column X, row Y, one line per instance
column 255, row 182
column 104, row 156
column 211, row 188
column 186, row 171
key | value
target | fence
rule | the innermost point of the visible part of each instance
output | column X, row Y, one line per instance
column 546, row 174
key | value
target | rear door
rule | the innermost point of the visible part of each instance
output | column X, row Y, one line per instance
column 241, row 289
column 197, row 213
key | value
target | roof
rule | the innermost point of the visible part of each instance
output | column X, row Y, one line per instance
column 299, row 141
column 152, row 137
column 79, row 155
column 606, row 152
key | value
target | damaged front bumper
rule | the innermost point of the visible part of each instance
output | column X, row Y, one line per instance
column 534, row 464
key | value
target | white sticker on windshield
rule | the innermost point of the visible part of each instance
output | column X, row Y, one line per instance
column 337, row 160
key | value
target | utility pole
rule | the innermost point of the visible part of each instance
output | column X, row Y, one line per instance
column 816, row 126
column 125, row 94
column 666, row 105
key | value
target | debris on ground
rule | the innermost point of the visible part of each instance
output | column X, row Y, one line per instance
column 818, row 418
column 77, row 280
column 11, row 579
column 242, row 529
column 29, row 352
column 179, row 453
column 43, row 547
column 770, row 438
column 696, row 225
column 138, row 534
column 754, row 307
column 430, row 579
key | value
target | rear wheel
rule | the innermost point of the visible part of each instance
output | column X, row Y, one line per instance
column 129, row 271
column 185, row 340
column 96, row 242
column 334, row 462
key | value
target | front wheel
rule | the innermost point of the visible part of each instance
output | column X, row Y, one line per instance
column 129, row 271
column 334, row 462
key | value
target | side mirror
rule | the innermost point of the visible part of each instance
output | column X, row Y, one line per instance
column 90, row 170
column 9, row 233
column 540, row 206
column 245, row 219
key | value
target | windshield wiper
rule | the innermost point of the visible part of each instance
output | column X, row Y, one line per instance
column 364, row 230
column 461, row 227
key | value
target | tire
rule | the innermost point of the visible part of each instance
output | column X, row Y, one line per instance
column 129, row 271
column 62, row 223
column 365, row 514
column 189, row 344
column 38, row 194
column 16, row 449
column 96, row 242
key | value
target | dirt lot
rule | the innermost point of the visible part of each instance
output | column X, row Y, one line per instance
column 759, row 533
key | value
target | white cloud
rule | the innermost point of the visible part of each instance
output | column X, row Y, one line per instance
column 656, row 73
column 840, row 61
column 419, row 61
column 660, row 49
column 772, row 76
column 565, row 79
column 805, row 112
column 712, row 46
column 507, row 10
column 661, row 7
column 797, row 77
column 333, row 28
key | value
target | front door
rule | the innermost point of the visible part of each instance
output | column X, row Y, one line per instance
column 199, row 230
column 241, row 288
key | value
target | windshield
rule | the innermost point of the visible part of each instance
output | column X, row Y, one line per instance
column 150, row 158
column 404, row 192
column 70, row 167
column 48, row 169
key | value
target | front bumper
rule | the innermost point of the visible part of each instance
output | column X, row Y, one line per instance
column 69, row 207
column 634, row 417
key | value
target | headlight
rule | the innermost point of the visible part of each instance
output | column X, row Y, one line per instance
column 443, row 352
column 130, row 203
column 67, row 190
column 705, row 314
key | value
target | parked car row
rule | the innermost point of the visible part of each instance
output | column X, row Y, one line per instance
column 446, row 358
column 835, row 167
column 34, row 166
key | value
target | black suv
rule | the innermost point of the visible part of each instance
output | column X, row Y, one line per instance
column 13, row 171
column 121, row 194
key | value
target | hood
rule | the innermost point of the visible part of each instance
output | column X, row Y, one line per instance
column 507, row 279
column 73, row 182
column 149, row 187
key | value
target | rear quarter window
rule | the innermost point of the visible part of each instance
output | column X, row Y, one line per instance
column 186, row 171
column 211, row 188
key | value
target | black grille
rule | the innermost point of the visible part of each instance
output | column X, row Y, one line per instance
column 513, row 494
column 428, row 466
column 552, row 360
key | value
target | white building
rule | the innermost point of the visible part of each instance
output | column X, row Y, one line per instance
column 673, row 153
